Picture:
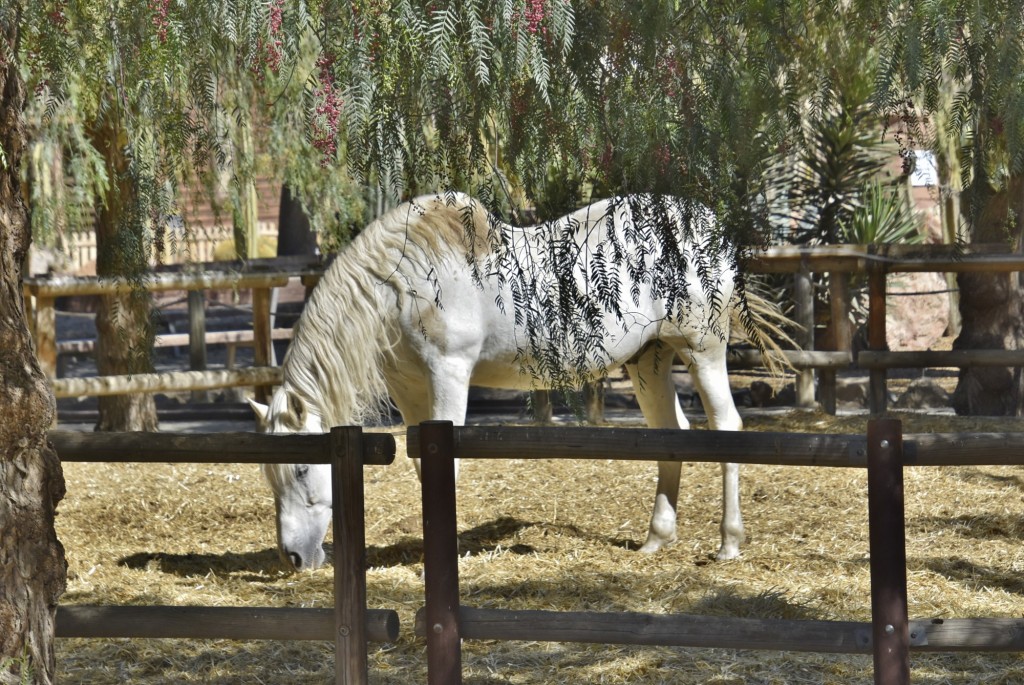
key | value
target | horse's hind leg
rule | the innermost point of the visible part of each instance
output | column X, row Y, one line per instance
column 651, row 374
column 710, row 376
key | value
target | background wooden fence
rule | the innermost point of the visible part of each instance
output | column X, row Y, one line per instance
column 261, row 277
column 839, row 262
column 884, row 451
column 349, row 625
column 876, row 262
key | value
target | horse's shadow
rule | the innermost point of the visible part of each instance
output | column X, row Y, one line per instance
column 967, row 573
column 482, row 539
column 251, row 566
column 485, row 538
column 986, row 526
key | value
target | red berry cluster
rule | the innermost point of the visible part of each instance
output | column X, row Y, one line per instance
column 534, row 14
column 161, row 21
column 268, row 48
column 57, row 16
column 274, row 32
column 328, row 111
column 662, row 156
column 607, row 159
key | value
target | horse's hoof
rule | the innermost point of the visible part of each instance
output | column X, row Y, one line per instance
column 654, row 544
column 727, row 553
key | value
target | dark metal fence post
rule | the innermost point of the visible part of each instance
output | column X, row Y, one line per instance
column 890, row 630
column 440, row 553
column 351, row 663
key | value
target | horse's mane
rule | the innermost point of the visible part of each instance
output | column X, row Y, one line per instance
column 342, row 342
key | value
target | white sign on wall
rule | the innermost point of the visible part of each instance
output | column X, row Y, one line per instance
column 925, row 173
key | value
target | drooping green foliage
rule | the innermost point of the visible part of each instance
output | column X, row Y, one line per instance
column 965, row 60
column 686, row 98
column 531, row 103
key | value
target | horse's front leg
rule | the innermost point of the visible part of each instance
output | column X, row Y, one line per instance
column 449, row 391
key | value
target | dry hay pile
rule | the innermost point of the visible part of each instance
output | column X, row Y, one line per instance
column 550, row 535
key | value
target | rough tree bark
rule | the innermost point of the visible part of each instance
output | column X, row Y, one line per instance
column 124, row 326
column 32, row 568
column 992, row 311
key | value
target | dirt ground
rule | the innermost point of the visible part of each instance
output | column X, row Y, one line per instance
column 554, row 535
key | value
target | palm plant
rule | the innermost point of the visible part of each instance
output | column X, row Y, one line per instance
column 882, row 216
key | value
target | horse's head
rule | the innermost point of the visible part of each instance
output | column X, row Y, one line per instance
column 302, row 492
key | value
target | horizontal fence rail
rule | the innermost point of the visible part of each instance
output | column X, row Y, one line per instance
column 893, row 258
column 63, row 286
column 741, row 447
column 833, row 637
column 884, row 452
column 170, row 381
column 349, row 624
column 213, row 448
column 632, row 444
column 214, row 623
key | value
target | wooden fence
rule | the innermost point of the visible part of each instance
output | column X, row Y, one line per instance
column 877, row 261
column 884, row 451
column 260, row 276
column 349, row 625
column 837, row 261
column 198, row 245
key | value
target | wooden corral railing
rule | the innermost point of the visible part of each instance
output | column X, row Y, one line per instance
column 259, row 276
column 884, row 451
column 349, row 625
column 198, row 245
column 876, row 261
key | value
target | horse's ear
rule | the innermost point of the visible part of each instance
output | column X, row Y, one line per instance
column 262, row 411
column 297, row 410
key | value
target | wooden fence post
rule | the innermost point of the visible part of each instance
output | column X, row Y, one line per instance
column 803, row 298
column 593, row 401
column 46, row 334
column 197, row 338
column 351, row 664
column 440, row 553
column 262, row 344
column 877, row 390
column 839, row 304
column 540, row 404
column 888, row 548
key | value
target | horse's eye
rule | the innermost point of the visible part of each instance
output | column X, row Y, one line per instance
column 301, row 470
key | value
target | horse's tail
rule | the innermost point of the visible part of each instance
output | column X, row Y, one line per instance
column 758, row 319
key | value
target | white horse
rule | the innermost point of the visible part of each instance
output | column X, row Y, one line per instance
column 437, row 295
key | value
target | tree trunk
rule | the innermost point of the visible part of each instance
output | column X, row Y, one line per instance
column 32, row 568
column 992, row 312
column 294, row 234
column 124, row 326
column 125, row 341
column 245, row 216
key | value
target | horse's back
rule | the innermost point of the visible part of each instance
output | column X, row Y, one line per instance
column 507, row 300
